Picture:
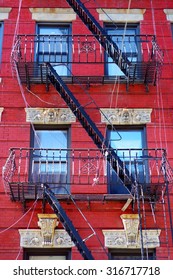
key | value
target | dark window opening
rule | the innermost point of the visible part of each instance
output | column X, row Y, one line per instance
column 46, row 254
column 132, row 254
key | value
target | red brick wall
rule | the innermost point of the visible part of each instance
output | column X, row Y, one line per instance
column 15, row 132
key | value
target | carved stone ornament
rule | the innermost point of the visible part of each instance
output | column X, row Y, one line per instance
column 122, row 116
column 47, row 236
column 1, row 110
column 131, row 225
column 47, row 223
column 50, row 115
column 130, row 236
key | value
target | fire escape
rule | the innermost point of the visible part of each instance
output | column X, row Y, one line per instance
column 18, row 172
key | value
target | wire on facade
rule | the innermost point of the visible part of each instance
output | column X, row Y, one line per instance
column 30, row 220
column 16, row 222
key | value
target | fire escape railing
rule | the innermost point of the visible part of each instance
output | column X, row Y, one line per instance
column 27, row 169
column 32, row 52
column 81, row 48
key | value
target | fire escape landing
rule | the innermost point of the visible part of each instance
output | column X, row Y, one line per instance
column 33, row 52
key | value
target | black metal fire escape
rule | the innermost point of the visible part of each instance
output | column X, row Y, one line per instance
column 87, row 123
column 101, row 35
column 78, row 110
column 100, row 142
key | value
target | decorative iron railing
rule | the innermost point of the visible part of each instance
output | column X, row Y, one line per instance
column 27, row 169
column 63, row 51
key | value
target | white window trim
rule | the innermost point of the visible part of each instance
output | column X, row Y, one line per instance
column 121, row 15
column 169, row 14
column 53, row 14
column 4, row 13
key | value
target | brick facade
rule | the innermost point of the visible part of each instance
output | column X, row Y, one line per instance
column 15, row 131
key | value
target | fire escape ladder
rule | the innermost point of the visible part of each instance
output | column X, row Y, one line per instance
column 122, row 173
column 67, row 223
column 101, row 35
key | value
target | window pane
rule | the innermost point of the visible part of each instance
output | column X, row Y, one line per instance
column 128, row 144
column 50, row 159
column 130, row 140
column 55, row 139
column 51, row 139
column 126, row 42
column 54, row 46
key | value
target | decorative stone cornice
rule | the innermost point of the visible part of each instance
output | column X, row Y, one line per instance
column 53, row 14
column 1, row 110
column 32, row 238
column 50, row 115
column 117, row 239
column 130, row 236
column 169, row 14
column 47, row 236
column 121, row 116
column 121, row 15
column 4, row 13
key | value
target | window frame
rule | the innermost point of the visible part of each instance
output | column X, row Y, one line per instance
column 51, row 128
column 69, row 53
column 28, row 252
column 110, row 26
column 117, row 187
column 125, row 254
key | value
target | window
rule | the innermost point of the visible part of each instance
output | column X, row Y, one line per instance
column 46, row 254
column 1, row 37
column 54, row 46
column 128, row 144
column 131, row 254
column 126, row 40
column 50, row 159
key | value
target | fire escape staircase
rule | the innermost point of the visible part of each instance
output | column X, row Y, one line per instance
column 68, row 225
column 100, row 34
column 86, row 122
column 90, row 127
column 100, row 142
